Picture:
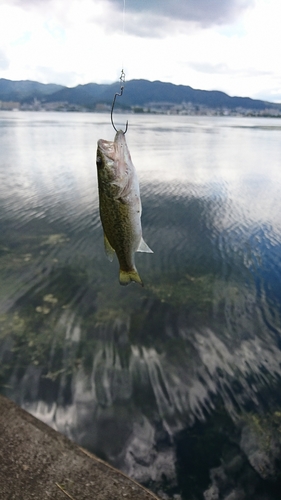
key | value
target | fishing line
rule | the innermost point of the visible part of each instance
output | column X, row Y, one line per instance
column 122, row 76
column 123, row 33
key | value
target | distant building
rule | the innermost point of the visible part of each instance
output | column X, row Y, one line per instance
column 9, row 105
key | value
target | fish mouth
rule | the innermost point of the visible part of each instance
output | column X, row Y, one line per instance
column 120, row 144
column 120, row 137
column 106, row 148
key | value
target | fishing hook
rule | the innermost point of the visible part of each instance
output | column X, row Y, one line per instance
column 122, row 80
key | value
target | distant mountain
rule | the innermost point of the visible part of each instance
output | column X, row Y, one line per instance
column 141, row 93
column 25, row 89
column 144, row 92
column 83, row 95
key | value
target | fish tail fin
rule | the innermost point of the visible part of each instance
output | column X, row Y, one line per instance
column 125, row 277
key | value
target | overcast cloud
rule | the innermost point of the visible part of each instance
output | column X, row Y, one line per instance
column 4, row 61
column 204, row 12
column 228, row 45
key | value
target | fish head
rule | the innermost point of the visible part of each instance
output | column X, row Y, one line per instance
column 122, row 154
column 105, row 153
column 105, row 160
column 113, row 158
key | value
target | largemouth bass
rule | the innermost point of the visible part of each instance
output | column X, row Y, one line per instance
column 120, row 206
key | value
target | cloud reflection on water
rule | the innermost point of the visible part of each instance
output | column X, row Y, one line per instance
column 122, row 371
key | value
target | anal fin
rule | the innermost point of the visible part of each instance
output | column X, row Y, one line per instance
column 143, row 247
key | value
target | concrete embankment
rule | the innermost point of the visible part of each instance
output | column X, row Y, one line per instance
column 37, row 462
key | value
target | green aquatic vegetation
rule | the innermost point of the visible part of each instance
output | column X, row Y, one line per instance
column 111, row 320
column 192, row 292
column 184, row 289
column 198, row 293
column 41, row 328
column 36, row 329
column 276, row 419
column 3, row 250
column 12, row 261
column 51, row 301
column 256, row 422
column 43, row 309
column 55, row 239
column 11, row 324
column 266, row 427
column 104, row 332
column 105, row 317
column 16, row 265
column 35, row 338
column 110, row 295
column 19, row 253
column 50, row 298
column 25, row 335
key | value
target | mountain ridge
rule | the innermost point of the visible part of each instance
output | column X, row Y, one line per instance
column 137, row 92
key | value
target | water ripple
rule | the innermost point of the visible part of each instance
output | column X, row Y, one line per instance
column 88, row 356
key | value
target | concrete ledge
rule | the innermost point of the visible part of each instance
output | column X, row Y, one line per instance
column 37, row 462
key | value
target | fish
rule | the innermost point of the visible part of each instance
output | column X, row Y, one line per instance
column 120, row 206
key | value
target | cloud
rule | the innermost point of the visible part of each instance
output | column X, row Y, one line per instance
column 271, row 95
column 207, row 44
column 4, row 61
column 222, row 68
column 204, row 12
column 61, row 77
column 205, row 67
column 145, row 18
column 29, row 4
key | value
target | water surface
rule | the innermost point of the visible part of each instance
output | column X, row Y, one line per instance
column 170, row 381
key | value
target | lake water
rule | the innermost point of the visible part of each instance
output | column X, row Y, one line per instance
column 177, row 383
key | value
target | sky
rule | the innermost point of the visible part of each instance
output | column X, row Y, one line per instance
column 227, row 45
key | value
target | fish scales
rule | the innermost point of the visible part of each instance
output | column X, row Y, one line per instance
column 120, row 206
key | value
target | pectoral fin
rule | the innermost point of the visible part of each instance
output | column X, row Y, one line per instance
column 143, row 247
column 108, row 249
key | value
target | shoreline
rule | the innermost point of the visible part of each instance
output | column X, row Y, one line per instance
column 38, row 462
